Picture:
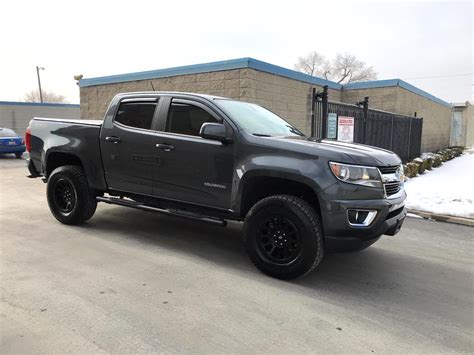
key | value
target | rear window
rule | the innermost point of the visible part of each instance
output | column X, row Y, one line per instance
column 136, row 114
column 5, row 132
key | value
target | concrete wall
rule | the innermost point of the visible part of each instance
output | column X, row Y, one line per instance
column 436, row 117
column 289, row 98
column 380, row 98
column 17, row 115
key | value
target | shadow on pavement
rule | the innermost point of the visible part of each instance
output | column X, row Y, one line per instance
column 377, row 268
column 217, row 244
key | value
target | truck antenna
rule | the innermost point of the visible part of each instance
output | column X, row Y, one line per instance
column 151, row 83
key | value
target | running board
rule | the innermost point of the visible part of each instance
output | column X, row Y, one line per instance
column 176, row 213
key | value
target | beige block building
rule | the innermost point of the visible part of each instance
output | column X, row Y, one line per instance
column 400, row 97
column 284, row 91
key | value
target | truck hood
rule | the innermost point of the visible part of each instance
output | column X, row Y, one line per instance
column 340, row 151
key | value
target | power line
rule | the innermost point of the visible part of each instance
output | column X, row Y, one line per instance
column 440, row 76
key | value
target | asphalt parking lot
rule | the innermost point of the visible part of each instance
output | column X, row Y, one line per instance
column 135, row 282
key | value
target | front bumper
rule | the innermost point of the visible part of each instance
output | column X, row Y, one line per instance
column 12, row 149
column 341, row 236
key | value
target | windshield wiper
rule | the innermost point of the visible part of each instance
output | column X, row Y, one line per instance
column 261, row 135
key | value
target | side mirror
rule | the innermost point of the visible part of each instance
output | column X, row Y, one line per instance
column 214, row 131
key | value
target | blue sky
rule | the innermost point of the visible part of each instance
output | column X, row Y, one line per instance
column 405, row 39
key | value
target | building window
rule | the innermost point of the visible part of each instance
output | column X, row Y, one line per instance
column 187, row 119
column 136, row 114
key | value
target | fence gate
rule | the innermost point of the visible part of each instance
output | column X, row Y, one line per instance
column 398, row 133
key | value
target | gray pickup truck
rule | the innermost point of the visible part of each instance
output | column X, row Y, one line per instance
column 214, row 159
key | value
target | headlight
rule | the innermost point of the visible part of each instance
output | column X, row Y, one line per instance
column 356, row 174
column 400, row 173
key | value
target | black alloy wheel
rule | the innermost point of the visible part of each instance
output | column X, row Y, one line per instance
column 279, row 240
column 283, row 236
column 65, row 195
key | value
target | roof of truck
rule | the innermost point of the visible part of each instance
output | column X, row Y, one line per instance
column 205, row 96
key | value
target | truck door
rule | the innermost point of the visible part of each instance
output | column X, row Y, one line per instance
column 127, row 146
column 191, row 168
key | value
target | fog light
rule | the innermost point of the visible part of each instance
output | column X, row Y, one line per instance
column 361, row 218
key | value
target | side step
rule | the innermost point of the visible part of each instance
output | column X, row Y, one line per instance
column 177, row 213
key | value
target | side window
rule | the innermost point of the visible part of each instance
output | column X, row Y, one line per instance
column 187, row 119
column 136, row 114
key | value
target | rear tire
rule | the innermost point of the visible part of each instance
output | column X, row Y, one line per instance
column 70, row 199
column 283, row 237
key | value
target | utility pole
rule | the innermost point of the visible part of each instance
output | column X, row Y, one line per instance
column 39, row 82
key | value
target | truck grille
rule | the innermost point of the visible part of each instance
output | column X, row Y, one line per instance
column 388, row 169
column 391, row 188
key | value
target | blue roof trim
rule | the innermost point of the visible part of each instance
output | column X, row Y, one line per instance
column 241, row 63
column 162, row 73
column 20, row 103
column 210, row 67
column 292, row 74
column 371, row 84
column 414, row 89
column 395, row 82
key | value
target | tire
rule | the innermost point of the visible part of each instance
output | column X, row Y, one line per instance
column 70, row 199
column 283, row 237
column 18, row 155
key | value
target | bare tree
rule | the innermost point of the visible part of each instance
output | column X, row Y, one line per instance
column 344, row 68
column 311, row 63
column 48, row 96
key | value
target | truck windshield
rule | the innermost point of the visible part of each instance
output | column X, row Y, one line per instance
column 256, row 119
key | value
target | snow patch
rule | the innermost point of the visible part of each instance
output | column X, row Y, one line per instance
column 448, row 189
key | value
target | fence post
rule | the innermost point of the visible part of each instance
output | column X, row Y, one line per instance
column 324, row 122
column 365, row 105
column 313, row 102
column 409, row 138
column 391, row 133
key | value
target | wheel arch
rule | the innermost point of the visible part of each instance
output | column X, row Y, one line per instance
column 257, row 185
column 56, row 159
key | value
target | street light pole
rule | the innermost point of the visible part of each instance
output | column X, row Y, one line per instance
column 39, row 82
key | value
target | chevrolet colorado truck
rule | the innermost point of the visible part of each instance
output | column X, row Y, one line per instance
column 215, row 159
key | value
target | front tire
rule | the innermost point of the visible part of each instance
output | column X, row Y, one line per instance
column 70, row 199
column 18, row 155
column 283, row 237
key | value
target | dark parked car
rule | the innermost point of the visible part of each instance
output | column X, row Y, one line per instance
column 214, row 159
column 11, row 143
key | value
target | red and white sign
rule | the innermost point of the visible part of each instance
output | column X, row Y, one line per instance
column 345, row 129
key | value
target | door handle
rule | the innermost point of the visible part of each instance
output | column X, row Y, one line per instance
column 113, row 139
column 165, row 147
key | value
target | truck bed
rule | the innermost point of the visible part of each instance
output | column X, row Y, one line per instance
column 67, row 120
column 67, row 137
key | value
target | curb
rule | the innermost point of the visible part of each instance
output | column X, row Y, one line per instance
column 444, row 218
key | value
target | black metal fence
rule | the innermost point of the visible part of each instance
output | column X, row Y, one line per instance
column 398, row 133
